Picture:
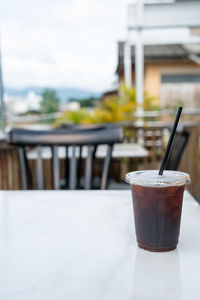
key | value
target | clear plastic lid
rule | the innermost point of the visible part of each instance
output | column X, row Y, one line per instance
column 151, row 178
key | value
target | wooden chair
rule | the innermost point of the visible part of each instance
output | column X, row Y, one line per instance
column 75, row 140
column 180, row 141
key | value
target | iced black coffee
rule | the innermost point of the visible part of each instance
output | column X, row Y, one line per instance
column 157, row 204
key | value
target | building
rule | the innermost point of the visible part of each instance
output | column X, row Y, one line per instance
column 171, row 72
column 20, row 105
column 161, row 54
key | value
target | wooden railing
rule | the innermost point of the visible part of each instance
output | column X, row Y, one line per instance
column 153, row 136
column 9, row 167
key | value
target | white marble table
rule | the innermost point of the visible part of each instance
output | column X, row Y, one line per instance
column 81, row 246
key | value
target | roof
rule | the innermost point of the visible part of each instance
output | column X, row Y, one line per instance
column 155, row 53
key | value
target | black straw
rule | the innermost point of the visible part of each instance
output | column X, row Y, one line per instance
column 165, row 158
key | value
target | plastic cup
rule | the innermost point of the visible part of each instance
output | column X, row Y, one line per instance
column 157, row 206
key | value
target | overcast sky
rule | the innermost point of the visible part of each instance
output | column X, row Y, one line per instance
column 61, row 42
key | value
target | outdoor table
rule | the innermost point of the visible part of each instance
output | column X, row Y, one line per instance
column 81, row 245
column 130, row 150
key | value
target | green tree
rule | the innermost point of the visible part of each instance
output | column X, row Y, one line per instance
column 50, row 102
column 86, row 102
column 89, row 102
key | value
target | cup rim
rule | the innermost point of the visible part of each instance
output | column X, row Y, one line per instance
column 152, row 178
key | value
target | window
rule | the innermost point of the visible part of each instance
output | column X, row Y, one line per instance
column 180, row 78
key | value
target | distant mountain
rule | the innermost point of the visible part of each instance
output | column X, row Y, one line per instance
column 64, row 94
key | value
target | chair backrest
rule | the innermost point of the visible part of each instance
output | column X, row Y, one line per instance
column 178, row 146
column 80, row 153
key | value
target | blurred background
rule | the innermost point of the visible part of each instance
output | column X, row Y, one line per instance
column 69, row 47
column 65, row 55
column 70, row 62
